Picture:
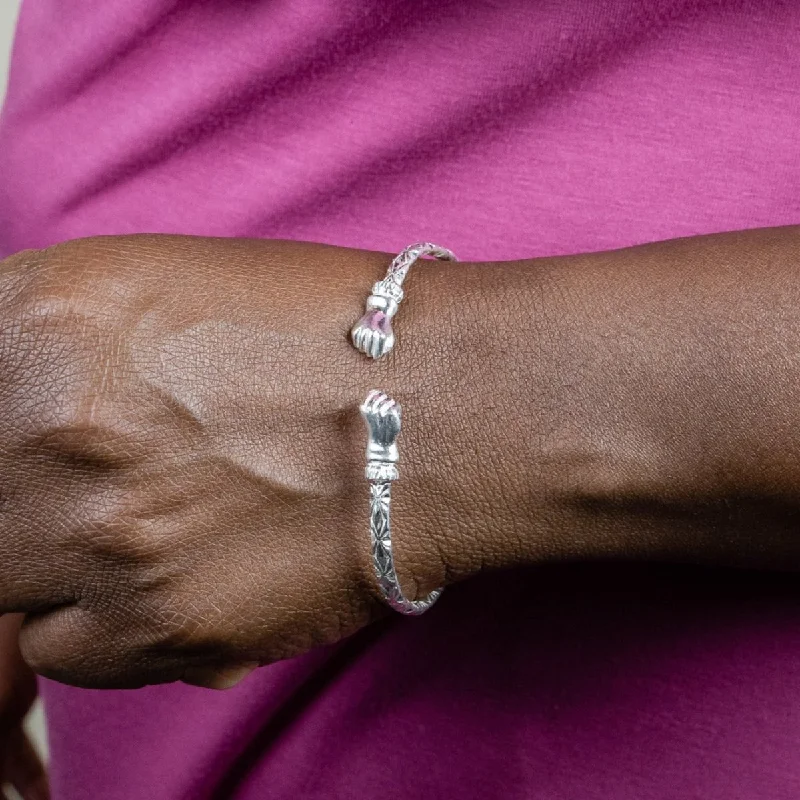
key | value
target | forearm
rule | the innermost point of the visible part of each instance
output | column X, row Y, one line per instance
column 186, row 411
column 642, row 403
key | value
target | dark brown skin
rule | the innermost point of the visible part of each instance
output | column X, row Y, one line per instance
column 181, row 454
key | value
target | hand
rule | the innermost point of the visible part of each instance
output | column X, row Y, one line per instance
column 181, row 456
column 20, row 766
column 182, row 490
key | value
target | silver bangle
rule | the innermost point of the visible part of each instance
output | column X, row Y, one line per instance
column 373, row 335
column 382, row 415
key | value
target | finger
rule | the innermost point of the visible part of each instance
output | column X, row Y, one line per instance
column 386, row 405
column 366, row 342
column 358, row 339
column 377, row 344
column 31, row 578
column 37, row 570
column 216, row 678
column 23, row 768
column 80, row 647
column 77, row 646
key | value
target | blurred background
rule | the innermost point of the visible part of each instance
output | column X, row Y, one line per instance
column 8, row 18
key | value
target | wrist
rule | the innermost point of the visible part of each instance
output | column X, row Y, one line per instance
column 565, row 408
column 636, row 404
column 610, row 405
column 473, row 494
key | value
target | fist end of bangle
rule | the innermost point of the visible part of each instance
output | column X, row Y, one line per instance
column 373, row 334
column 382, row 415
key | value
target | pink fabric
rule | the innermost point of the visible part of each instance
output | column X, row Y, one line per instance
column 502, row 130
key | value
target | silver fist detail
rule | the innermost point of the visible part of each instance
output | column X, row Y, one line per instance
column 382, row 415
column 373, row 334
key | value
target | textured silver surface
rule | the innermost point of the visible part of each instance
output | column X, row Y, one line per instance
column 373, row 334
column 382, row 415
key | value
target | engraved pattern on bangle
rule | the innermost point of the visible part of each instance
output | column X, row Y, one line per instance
column 373, row 334
column 382, row 415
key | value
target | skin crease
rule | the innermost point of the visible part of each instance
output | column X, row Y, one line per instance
column 182, row 457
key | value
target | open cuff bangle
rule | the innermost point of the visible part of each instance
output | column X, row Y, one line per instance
column 382, row 415
column 373, row 336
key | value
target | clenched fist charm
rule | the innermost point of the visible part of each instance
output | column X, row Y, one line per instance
column 373, row 334
column 382, row 415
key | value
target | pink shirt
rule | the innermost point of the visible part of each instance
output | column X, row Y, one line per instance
column 501, row 129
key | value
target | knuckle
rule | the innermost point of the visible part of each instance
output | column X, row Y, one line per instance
column 42, row 640
column 128, row 545
column 17, row 270
column 67, row 282
column 57, row 354
column 70, row 646
column 84, row 427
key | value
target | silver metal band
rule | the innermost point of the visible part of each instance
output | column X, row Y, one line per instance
column 373, row 334
column 383, row 417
